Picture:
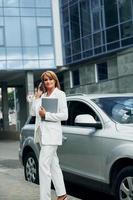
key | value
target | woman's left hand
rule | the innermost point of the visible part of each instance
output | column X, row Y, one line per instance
column 42, row 112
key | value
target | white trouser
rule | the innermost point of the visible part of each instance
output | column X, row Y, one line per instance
column 49, row 169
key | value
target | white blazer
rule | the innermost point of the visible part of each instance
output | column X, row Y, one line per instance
column 49, row 132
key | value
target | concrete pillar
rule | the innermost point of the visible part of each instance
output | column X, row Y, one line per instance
column 5, row 106
column 29, row 88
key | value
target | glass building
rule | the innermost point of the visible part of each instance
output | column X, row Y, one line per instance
column 95, row 27
column 26, row 39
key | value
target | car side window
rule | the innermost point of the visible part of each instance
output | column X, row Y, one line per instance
column 76, row 108
column 32, row 120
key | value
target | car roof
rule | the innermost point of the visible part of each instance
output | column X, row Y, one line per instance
column 95, row 96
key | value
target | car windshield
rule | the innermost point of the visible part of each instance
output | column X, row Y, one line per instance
column 119, row 109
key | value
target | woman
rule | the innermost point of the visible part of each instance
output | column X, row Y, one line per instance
column 51, row 137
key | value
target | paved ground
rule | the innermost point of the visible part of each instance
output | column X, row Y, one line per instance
column 12, row 183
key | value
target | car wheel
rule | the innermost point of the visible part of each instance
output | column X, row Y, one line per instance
column 31, row 168
column 124, row 184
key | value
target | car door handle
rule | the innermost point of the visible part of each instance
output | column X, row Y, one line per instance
column 64, row 138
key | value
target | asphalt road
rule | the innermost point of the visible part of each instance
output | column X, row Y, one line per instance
column 14, row 187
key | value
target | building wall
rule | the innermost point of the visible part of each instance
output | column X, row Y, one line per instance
column 120, row 75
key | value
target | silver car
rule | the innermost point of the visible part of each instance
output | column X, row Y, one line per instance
column 97, row 148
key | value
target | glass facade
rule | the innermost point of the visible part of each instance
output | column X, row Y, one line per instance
column 26, row 36
column 95, row 27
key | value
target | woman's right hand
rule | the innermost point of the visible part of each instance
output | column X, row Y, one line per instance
column 38, row 93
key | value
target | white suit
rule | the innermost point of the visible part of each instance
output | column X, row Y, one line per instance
column 49, row 132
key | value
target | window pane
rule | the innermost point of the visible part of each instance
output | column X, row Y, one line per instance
column 1, row 21
column 1, row 36
column 14, row 64
column 97, row 39
column 14, row 53
column 30, row 53
column 67, row 50
column 125, row 10
column 96, row 21
column 43, row 12
column 27, row 11
column 9, row 3
column 29, row 33
column 1, row 3
column 44, row 21
column 2, row 64
column 66, row 34
column 31, row 64
column 65, row 15
column 76, row 47
column 43, row 3
column 112, row 34
column 75, row 77
column 12, row 31
column 102, row 71
column 45, row 37
column 87, row 43
column 111, row 16
column 74, row 15
column 27, row 3
column 2, row 53
column 85, row 18
column 47, row 64
column 11, row 11
column 46, row 53
column 1, row 11
column 126, row 29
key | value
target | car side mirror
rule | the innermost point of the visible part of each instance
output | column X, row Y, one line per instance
column 87, row 120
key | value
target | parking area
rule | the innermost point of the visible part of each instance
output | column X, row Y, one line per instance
column 12, row 184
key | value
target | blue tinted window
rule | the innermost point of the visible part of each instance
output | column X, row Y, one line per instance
column 29, row 33
column 11, row 11
column 44, row 21
column 27, row 3
column 14, row 53
column 27, row 11
column 46, row 53
column 30, row 53
column 45, row 37
column 1, row 36
column 12, row 31
column 14, row 64
column 31, row 64
column 9, row 3
column 43, row 3
column 47, row 64
column 102, row 71
column 2, row 53
column 43, row 12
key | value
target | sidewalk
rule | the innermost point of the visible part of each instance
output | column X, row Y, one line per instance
column 13, row 185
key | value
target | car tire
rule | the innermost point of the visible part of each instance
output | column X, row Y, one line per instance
column 31, row 171
column 124, row 184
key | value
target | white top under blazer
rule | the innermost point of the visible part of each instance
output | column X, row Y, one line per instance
column 49, row 132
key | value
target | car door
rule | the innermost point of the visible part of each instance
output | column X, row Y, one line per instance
column 82, row 146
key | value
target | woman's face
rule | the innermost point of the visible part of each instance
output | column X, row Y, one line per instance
column 49, row 83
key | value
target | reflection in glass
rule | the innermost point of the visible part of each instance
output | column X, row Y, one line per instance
column 1, row 21
column 67, row 50
column 14, row 53
column 27, row 3
column 65, row 16
column 11, row 3
column 29, row 32
column 1, row 12
column 2, row 53
column 27, row 11
column 66, row 34
column 74, row 19
column 125, row 10
column 76, row 47
column 30, row 53
column 85, row 18
column 127, row 29
column 11, row 11
column 45, row 64
column 14, row 64
column 46, row 52
column 44, row 21
column 46, row 12
column 45, row 36
column 87, row 43
column 31, row 64
column 12, row 31
column 112, row 34
column 2, row 64
column 111, row 15
column 97, row 39
column 43, row 3
column 1, row 36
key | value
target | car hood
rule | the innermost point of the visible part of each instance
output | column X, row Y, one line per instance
column 125, row 128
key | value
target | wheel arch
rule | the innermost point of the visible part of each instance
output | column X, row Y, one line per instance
column 117, row 167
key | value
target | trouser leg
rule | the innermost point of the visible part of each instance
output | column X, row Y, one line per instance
column 46, row 156
column 57, row 176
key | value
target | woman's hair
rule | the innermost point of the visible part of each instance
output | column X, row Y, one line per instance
column 53, row 76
